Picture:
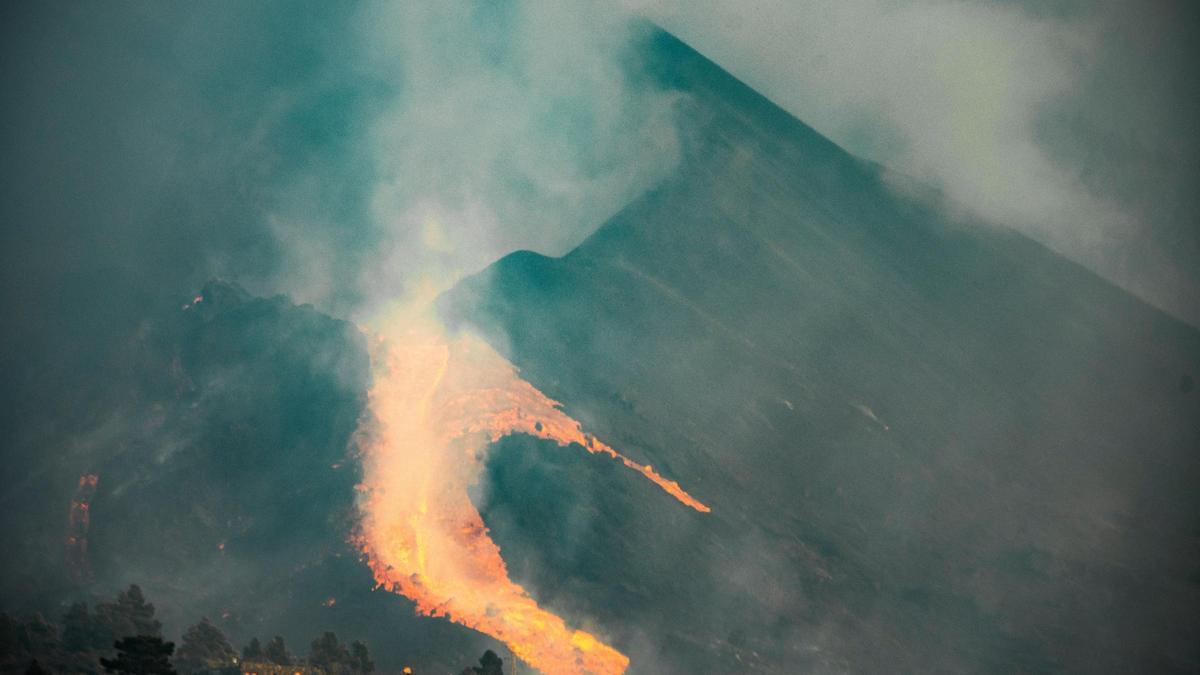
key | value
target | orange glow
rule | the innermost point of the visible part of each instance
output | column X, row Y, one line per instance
column 78, row 521
column 437, row 405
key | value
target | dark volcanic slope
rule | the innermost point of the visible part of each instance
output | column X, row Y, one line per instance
column 221, row 434
column 928, row 445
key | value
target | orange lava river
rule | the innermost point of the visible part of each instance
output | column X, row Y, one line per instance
column 437, row 404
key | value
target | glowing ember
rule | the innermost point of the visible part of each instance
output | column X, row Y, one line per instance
column 78, row 522
column 438, row 404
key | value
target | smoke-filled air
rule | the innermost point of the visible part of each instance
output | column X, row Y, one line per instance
column 646, row 337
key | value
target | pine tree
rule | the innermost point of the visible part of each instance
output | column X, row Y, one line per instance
column 35, row 635
column 81, row 630
column 276, row 652
column 141, row 655
column 253, row 651
column 129, row 615
column 133, row 606
column 329, row 654
column 205, row 646
column 489, row 664
column 360, row 658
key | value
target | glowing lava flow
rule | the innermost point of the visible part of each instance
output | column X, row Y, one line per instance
column 437, row 405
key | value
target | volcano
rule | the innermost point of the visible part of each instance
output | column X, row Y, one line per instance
column 928, row 444
column 813, row 419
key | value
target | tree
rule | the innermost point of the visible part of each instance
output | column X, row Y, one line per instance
column 129, row 615
column 82, row 630
column 30, row 643
column 141, row 655
column 76, row 635
column 276, row 652
column 35, row 635
column 489, row 664
column 205, row 646
column 360, row 658
column 253, row 651
column 36, row 668
column 133, row 606
column 327, row 653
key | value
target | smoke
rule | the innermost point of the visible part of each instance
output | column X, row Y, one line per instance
column 504, row 126
column 1070, row 122
column 353, row 154
column 351, row 158
column 356, row 157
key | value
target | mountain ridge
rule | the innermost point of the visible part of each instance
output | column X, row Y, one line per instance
column 862, row 388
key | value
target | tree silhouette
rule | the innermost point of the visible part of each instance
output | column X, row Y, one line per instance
column 360, row 658
column 253, row 651
column 77, row 628
column 27, row 640
column 327, row 653
column 489, row 664
column 83, row 631
column 35, row 635
column 129, row 615
column 276, row 652
column 33, row 645
column 141, row 655
column 133, row 606
column 205, row 646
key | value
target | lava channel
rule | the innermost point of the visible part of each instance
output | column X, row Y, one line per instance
column 436, row 405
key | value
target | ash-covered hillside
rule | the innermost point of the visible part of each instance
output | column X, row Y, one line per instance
column 207, row 454
column 929, row 444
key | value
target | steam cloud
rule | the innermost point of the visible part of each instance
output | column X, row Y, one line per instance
column 1067, row 121
column 512, row 126
column 382, row 152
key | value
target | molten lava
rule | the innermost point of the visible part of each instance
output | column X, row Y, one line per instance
column 438, row 404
